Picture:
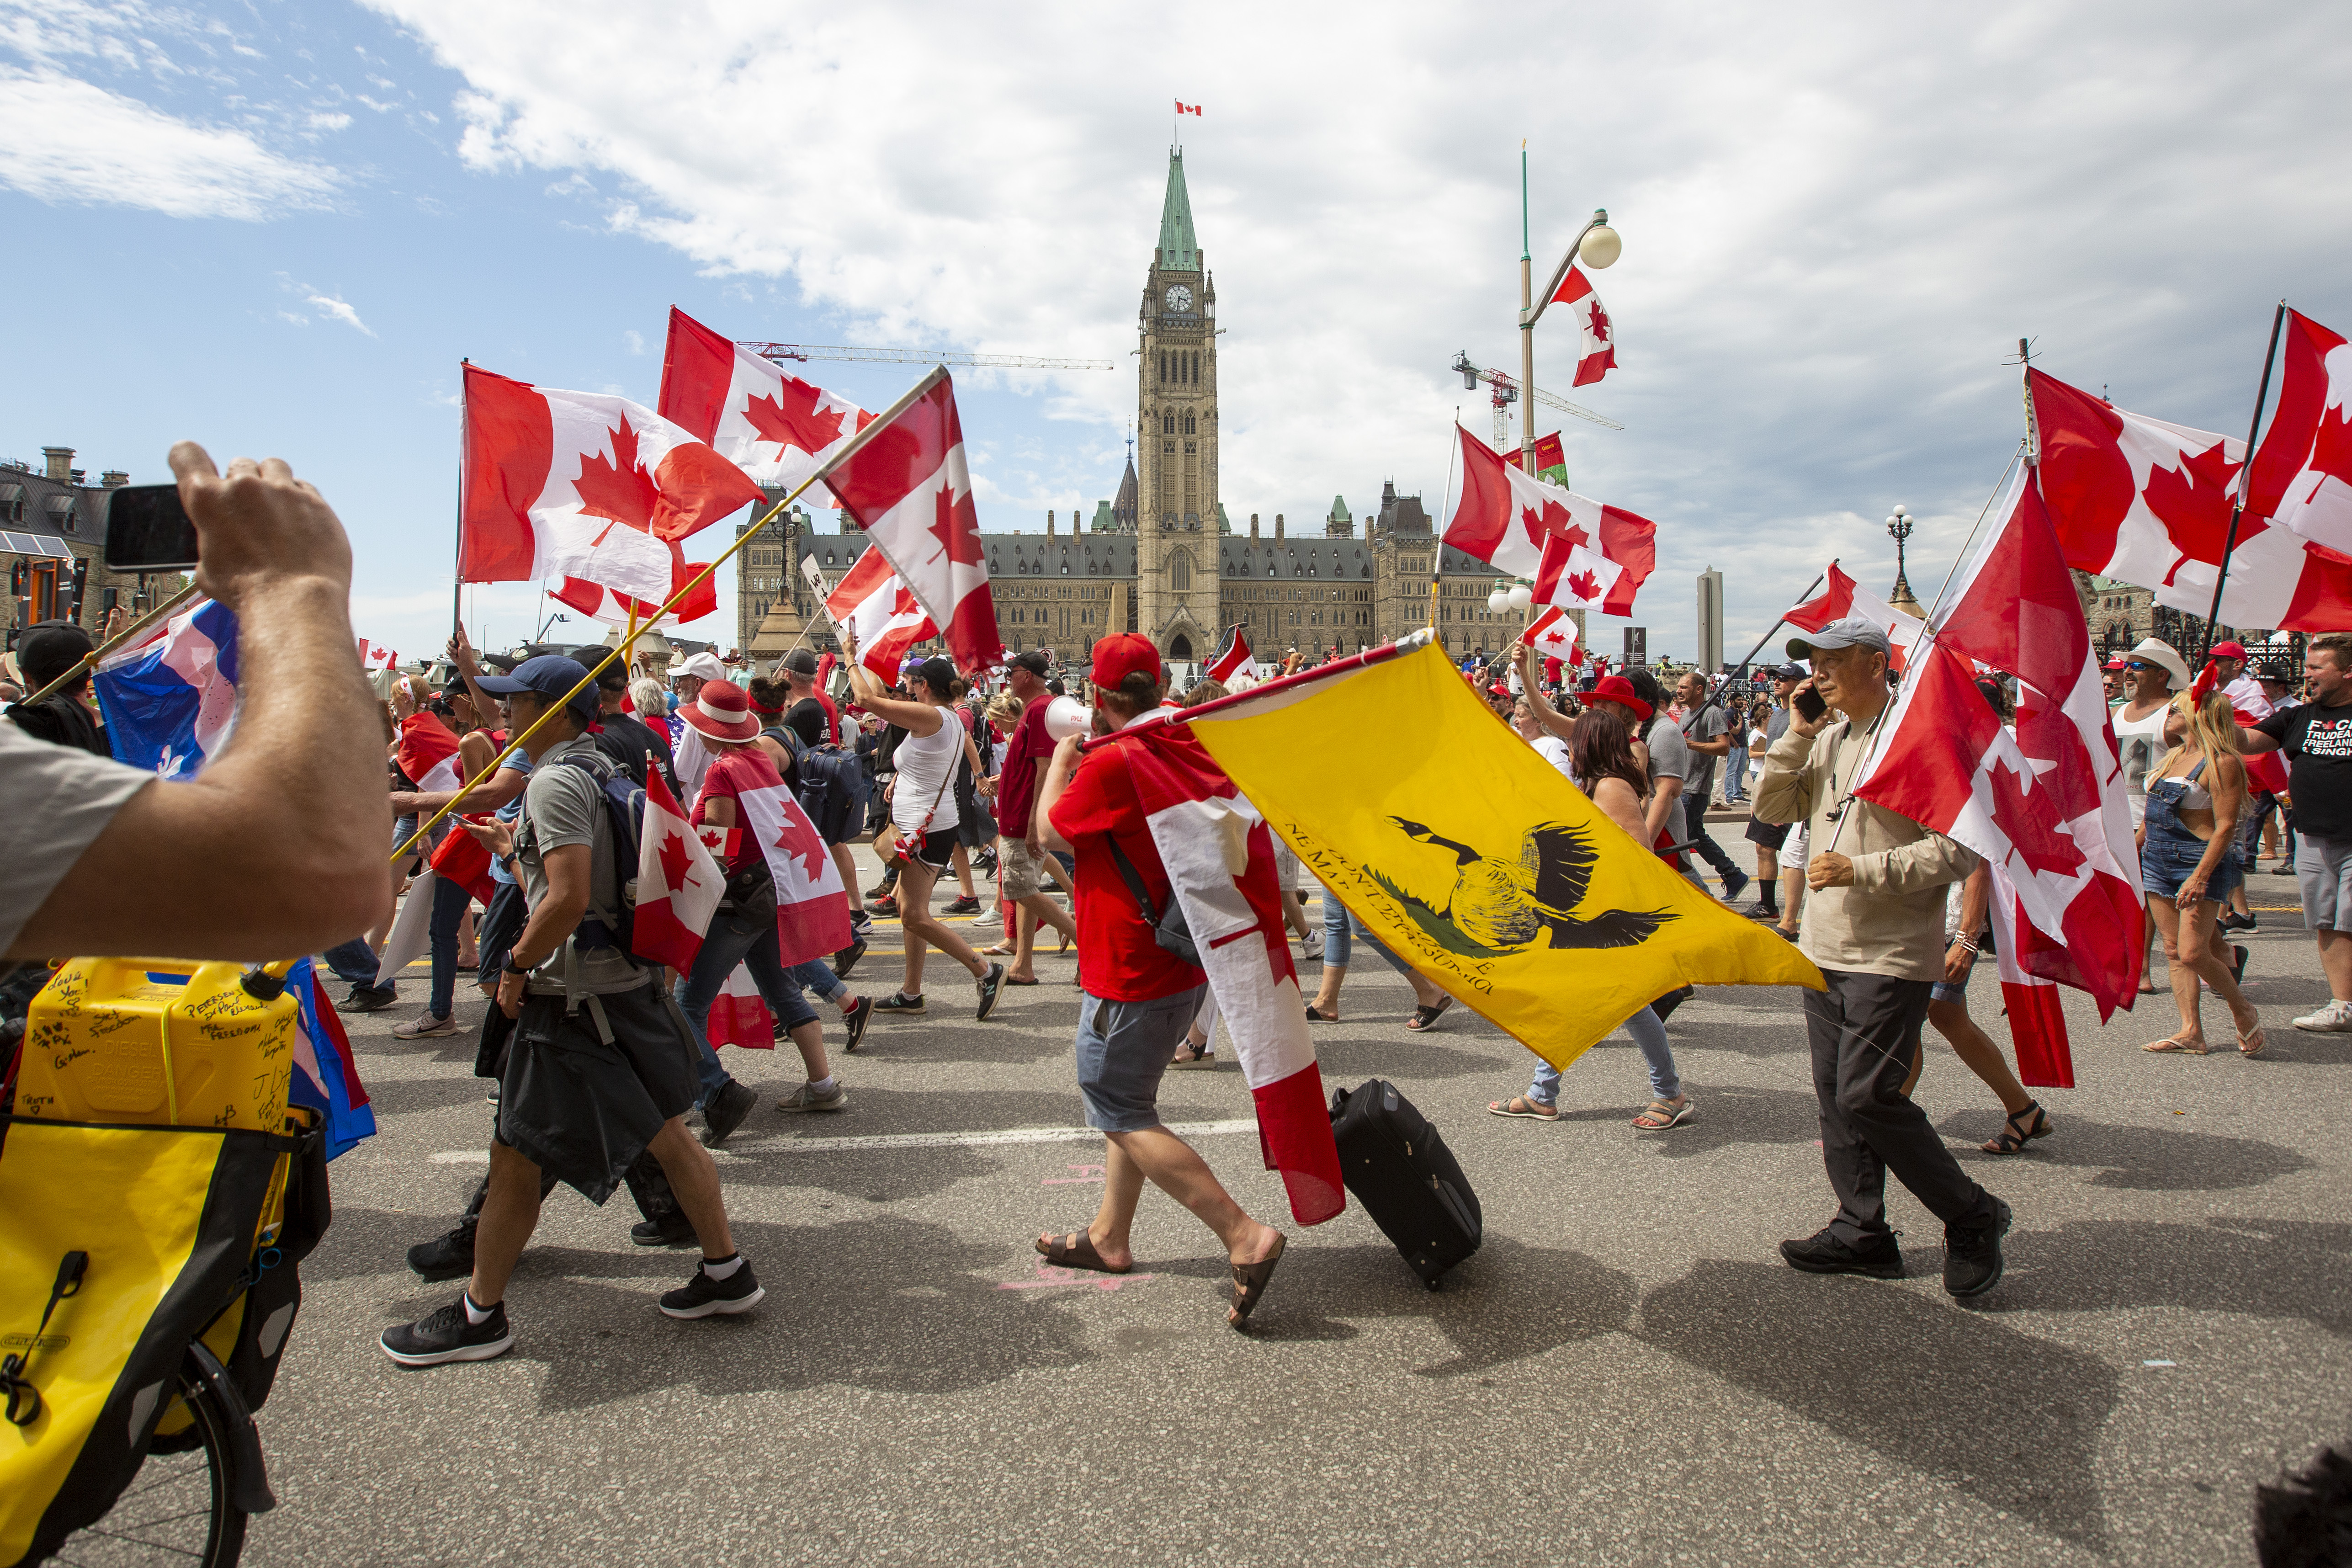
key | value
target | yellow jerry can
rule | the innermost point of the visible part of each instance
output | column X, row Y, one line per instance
column 156, row 1042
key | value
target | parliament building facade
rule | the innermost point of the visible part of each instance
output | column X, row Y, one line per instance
column 1163, row 558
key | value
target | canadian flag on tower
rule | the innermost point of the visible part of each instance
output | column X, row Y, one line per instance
column 879, row 611
column 1507, row 520
column 1184, row 107
column 1597, row 348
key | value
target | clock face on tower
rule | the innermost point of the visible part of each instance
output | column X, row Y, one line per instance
column 1180, row 298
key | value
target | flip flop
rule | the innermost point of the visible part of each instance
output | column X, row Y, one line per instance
column 1076, row 1250
column 1249, row 1283
column 2173, row 1047
column 2252, row 1045
column 1426, row 1018
column 1520, row 1105
column 1660, row 1115
column 1315, row 1017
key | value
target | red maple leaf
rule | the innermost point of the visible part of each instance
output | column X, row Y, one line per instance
column 1555, row 519
column 957, row 528
column 793, row 419
column 1599, row 322
column 620, row 489
column 2331, row 451
column 1584, row 586
column 2046, row 846
column 904, row 602
column 677, row 861
column 799, row 840
column 2193, row 503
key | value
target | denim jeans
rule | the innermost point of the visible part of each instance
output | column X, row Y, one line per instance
column 449, row 903
column 1707, row 849
column 353, row 963
column 724, row 946
column 1338, row 927
column 1735, row 775
column 1649, row 1034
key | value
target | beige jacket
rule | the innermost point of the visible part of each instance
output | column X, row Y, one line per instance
column 1890, row 920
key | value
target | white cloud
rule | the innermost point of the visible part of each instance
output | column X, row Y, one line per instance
column 1837, row 221
column 634, row 340
column 337, row 121
column 330, row 306
column 65, row 140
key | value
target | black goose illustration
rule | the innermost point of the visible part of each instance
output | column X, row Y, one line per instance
column 1500, row 906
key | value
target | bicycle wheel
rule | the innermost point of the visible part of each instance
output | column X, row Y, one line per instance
column 177, row 1509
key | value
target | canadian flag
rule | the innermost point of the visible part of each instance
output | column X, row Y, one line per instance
column 1218, row 855
column 464, row 859
column 776, row 427
column 598, row 603
column 740, row 1015
column 1184, row 107
column 1234, row 658
column 908, row 487
column 678, row 883
column 580, row 485
column 427, row 752
column 1596, row 353
column 1553, row 634
column 375, row 656
column 880, row 613
column 2148, row 503
column 811, row 901
column 1572, row 575
column 1503, row 517
column 1847, row 597
column 2303, row 470
column 2044, row 803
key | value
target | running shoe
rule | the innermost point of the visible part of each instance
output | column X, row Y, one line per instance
column 1972, row 1261
column 2335, row 1018
column 449, row 1256
column 725, row 1112
column 855, row 1018
column 1311, row 944
column 446, row 1335
column 887, row 908
column 989, row 985
column 369, row 998
column 804, row 1099
column 428, row 1026
column 702, row 1297
column 653, row 1233
column 1822, row 1253
column 898, row 1002
column 965, row 905
column 847, row 959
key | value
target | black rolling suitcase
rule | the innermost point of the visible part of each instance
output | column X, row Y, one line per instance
column 1406, row 1178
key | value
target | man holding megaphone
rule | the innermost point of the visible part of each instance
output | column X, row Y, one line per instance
column 1045, row 719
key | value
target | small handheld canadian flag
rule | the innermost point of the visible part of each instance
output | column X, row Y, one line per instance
column 677, row 882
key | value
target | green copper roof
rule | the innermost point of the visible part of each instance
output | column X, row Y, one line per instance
column 1179, row 251
column 1224, row 523
column 1104, row 520
column 1340, row 512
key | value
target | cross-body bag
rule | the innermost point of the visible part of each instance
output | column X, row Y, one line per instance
column 1168, row 927
column 894, row 848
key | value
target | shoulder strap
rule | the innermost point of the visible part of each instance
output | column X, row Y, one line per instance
column 1134, row 880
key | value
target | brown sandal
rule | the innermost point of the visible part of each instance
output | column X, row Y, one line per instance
column 1249, row 1283
column 1076, row 1250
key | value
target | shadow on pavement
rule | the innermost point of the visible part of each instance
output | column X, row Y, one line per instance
column 1725, row 1116
column 1348, row 1061
column 2011, row 1419
column 2263, row 1268
column 2140, row 1159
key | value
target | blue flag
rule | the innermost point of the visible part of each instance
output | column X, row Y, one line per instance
column 171, row 701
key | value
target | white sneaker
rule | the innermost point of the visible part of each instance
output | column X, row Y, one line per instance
column 430, row 1026
column 2335, row 1018
column 1311, row 944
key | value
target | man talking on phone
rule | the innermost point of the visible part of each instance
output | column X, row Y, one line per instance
column 1874, row 925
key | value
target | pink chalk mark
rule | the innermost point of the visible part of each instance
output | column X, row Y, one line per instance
column 1087, row 1175
column 1049, row 1277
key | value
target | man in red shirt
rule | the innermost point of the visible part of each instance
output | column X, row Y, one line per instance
column 1022, row 852
column 1138, row 997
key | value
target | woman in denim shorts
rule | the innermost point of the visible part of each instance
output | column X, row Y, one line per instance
column 2188, row 863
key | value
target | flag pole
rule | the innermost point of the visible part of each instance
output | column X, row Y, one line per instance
column 2245, row 483
column 457, row 588
column 627, row 645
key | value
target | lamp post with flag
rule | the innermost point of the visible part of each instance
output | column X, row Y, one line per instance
column 1600, row 246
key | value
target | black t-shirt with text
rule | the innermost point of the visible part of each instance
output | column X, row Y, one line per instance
column 2318, row 742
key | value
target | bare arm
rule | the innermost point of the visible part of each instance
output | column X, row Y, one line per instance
column 1663, row 793
column 915, row 718
column 276, row 847
column 556, row 917
column 499, row 789
column 461, row 651
column 1058, row 773
column 1549, row 717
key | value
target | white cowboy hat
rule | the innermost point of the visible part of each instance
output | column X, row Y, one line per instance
column 2165, row 658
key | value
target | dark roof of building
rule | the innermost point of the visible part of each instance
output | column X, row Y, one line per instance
column 48, row 516
column 1060, row 555
column 1123, row 509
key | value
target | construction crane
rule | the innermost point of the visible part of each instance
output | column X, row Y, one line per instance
column 806, row 351
column 1506, row 391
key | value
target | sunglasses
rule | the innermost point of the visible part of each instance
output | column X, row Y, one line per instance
column 2137, row 664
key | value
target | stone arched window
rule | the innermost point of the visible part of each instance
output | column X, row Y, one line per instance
column 1180, row 572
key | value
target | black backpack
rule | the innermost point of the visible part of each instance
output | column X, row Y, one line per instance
column 613, row 923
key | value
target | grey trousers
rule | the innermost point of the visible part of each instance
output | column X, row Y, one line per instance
column 1864, row 1032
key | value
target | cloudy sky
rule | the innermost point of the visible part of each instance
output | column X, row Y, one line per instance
column 277, row 227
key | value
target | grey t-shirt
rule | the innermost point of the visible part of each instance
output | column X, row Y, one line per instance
column 561, row 806
column 1669, row 758
column 1706, row 724
column 59, row 800
column 1777, row 726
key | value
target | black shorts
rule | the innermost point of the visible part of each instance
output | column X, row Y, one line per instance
column 583, row 1109
column 936, row 849
column 1771, row 835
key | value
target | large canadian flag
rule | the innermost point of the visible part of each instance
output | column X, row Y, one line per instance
column 908, row 486
column 2043, row 802
column 2303, row 470
column 1847, row 597
column 581, row 485
column 598, row 603
column 2148, row 503
column 1503, row 517
column 1218, row 855
column 678, row 883
column 776, row 427
column 812, row 902
column 1596, row 353
column 880, row 612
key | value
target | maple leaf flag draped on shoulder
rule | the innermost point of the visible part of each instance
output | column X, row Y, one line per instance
column 1847, row 597
column 880, row 612
column 908, row 489
column 1234, row 658
column 2043, row 801
column 1220, row 861
column 580, row 485
column 1596, row 353
column 2303, row 470
column 811, row 901
column 776, row 427
column 678, row 883
column 1507, row 520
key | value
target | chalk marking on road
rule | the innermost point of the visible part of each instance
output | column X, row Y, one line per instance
column 461, row 1157
column 1081, row 1180
column 984, row 1140
column 1049, row 1277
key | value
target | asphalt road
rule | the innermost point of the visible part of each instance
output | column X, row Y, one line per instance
column 1626, row 1372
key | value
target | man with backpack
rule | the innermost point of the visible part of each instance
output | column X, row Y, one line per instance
column 602, row 1065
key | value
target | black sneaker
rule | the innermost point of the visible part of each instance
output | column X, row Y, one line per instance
column 861, row 924
column 702, row 1296
column 369, row 998
column 1822, row 1253
column 899, row 1002
column 989, row 985
column 446, row 1335
column 449, row 1256
column 1733, row 884
column 887, row 908
column 2236, row 921
column 1972, row 1262
column 847, row 959
column 724, row 1113
column 653, row 1233
column 965, row 905
column 859, row 1013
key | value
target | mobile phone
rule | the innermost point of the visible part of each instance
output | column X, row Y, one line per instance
column 147, row 530
column 1809, row 704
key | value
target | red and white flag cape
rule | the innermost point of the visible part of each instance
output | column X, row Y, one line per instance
column 1503, row 517
column 1847, row 597
column 740, row 1015
column 2044, row 801
column 1218, row 854
column 1236, row 657
column 580, row 485
column 908, row 487
column 881, row 612
column 812, row 902
column 776, row 427
column 427, row 752
column 2148, row 503
column 1596, row 353
column 375, row 656
column 678, row 883
column 2303, row 470
column 1553, row 634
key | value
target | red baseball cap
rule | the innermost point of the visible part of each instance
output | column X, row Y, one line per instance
column 1116, row 657
column 1617, row 689
column 2227, row 650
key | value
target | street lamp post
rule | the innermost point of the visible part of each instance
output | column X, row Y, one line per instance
column 1898, row 528
column 1600, row 246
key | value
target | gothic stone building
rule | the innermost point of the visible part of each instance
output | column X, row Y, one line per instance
column 1163, row 558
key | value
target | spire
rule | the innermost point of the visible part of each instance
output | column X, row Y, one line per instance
column 1179, row 251
column 1125, row 505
